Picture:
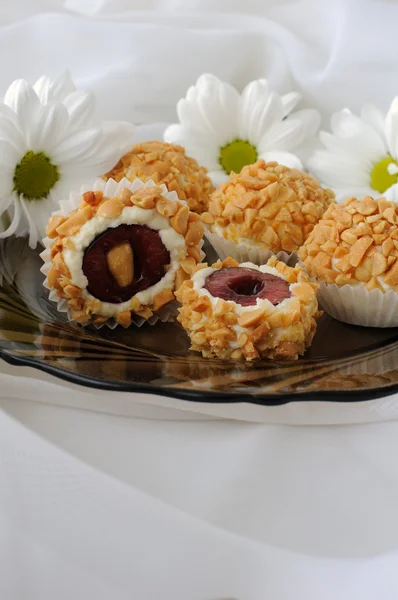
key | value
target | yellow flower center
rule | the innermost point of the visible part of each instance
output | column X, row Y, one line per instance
column 384, row 174
column 236, row 155
column 35, row 175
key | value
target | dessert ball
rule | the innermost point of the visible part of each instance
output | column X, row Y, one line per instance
column 247, row 312
column 355, row 243
column 122, row 252
column 267, row 206
column 168, row 164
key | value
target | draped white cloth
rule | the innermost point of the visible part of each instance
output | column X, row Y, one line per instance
column 124, row 496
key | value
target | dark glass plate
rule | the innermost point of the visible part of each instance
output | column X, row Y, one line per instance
column 345, row 363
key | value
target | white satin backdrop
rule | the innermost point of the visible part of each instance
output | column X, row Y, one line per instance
column 128, row 496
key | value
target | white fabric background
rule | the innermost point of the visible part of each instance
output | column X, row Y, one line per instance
column 158, row 500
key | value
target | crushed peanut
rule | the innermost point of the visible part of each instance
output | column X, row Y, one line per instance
column 168, row 164
column 217, row 329
column 270, row 206
column 111, row 209
column 120, row 261
column 364, row 233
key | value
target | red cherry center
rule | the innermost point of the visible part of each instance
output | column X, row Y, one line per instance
column 150, row 260
column 243, row 286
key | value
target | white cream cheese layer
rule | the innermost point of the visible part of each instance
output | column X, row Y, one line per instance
column 133, row 215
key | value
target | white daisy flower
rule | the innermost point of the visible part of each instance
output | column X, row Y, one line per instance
column 360, row 156
column 50, row 142
column 225, row 130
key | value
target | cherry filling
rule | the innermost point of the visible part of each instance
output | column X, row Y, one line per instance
column 142, row 259
column 243, row 286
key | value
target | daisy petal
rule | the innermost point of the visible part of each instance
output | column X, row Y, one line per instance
column 69, row 180
column 344, row 123
column 356, row 148
column 192, row 93
column 115, row 140
column 9, row 155
column 33, row 234
column 175, row 134
column 218, row 177
column 282, row 136
column 49, row 129
column 119, row 134
column 6, row 184
column 6, row 201
column 80, row 106
column 355, row 142
column 10, row 133
column 310, row 119
column 338, row 171
column 206, row 85
column 36, row 214
column 190, row 117
column 289, row 101
column 392, row 193
column 16, row 219
column 211, row 107
column 62, row 87
column 50, row 91
column 100, row 161
column 350, row 127
column 23, row 100
column 8, row 113
column 373, row 117
column 206, row 155
column 75, row 146
column 391, row 128
column 260, row 109
column 197, row 145
column 42, row 88
column 283, row 158
column 188, row 138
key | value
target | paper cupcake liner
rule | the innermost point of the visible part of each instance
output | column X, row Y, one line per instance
column 225, row 248
column 358, row 306
column 110, row 188
column 166, row 314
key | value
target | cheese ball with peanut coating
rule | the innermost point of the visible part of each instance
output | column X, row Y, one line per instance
column 247, row 312
column 355, row 243
column 168, row 164
column 267, row 206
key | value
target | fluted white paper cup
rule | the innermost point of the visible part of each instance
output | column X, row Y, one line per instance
column 225, row 248
column 356, row 305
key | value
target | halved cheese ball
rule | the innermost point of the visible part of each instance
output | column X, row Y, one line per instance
column 246, row 312
column 165, row 163
column 121, row 252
